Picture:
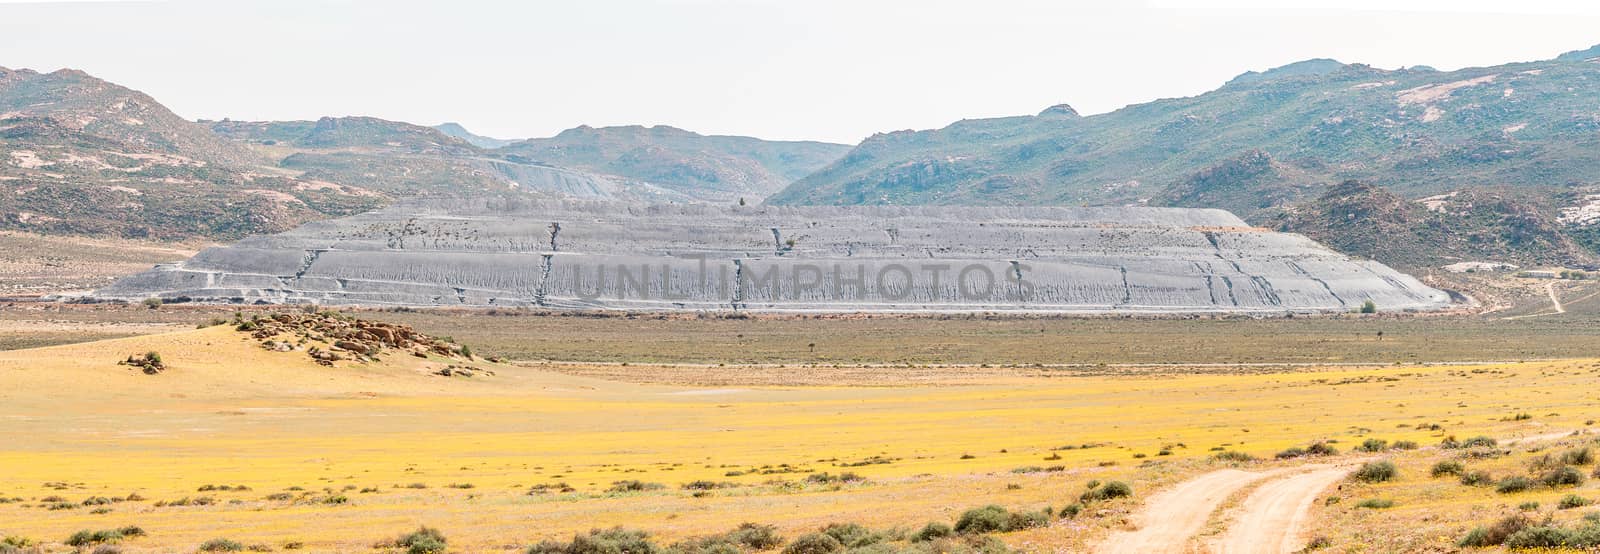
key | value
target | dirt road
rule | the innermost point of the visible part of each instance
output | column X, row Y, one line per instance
column 1275, row 515
column 1173, row 517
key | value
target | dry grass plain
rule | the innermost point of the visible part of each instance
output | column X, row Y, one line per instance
column 931, row 442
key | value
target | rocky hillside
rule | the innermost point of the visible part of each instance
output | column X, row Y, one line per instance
column 1260, row 143
column 1506, row 225
column 391, row 158
column 79, row 155
column 714, row 168
column 82, row 156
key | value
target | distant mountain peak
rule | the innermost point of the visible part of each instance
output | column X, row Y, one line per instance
column 454, row 129
column 1314, row 66
column 1059, row 110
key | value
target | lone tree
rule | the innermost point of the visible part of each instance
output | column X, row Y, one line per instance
column 1369, row 307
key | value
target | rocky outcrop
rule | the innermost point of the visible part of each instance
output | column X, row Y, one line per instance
column 329, row 337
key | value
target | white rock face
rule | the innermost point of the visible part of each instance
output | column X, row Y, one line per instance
column 574, row 254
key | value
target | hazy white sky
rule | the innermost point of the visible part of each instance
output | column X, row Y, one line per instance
column 802, row 69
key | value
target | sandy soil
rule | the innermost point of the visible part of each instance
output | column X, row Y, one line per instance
column 1276, row 514
column 1175, row 516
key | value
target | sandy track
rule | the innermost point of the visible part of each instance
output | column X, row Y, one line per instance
column 1274, row 516
column 1538, row 438
column 1173, row 517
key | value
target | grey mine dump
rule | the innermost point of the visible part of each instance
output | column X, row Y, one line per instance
column 592, row 254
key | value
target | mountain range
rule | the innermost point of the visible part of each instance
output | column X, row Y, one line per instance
column 1528, row 134
column 80, row 155
column 1414, row 167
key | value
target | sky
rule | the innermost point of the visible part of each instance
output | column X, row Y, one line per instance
column 833, row 70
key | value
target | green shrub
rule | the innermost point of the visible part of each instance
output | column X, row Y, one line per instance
column 826, row 478
column 811, row 543
column 1369, row 307
column 1373, row 445
column 1071, row 510
column 612, row 541
column 1322, row 449
column 1027, row 520
column 756, row 536
column 633, row 485
column 1375, row 503
column 221, row 545
column 1107, row 491
column 1496, row 534
column 704, row 545
column 1291, row 452
column 851, row 535
column 1233, row 456
column 1528, row 506
column 1477, row 479
column 1564, row 476
column 1578, row 456
column 89, row 538
column 1513, row 484
column 934, row 530
column 988, row 519
column 1405, row 445
column 425, row 540
column 1538, row 537
column 1571, row 501
column 1448, row 467
column 1376, row 472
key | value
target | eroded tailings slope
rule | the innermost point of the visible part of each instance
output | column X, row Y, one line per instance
column 604, row 255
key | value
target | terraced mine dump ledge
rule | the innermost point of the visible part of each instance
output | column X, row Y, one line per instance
column 606, row 255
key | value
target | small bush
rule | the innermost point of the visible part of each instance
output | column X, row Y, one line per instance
column 1571, row 501
column 851, row 535
column 1292, row 452
column 1559, row 477
column 425, row 540
column 932, row 531
column 1233, row 456
column 1496, row 534
column 1107, row 491
column 612, row 541
column 1322, row 449
column 704, row 545
column 1448, row 467
column 1528, row 506
column 988, row 519
column 812, row 543
column 1513, row 484
column 1376, row 472
column 1375, row 503
column 102, row 549
column 1538, row 537
column 1071, row 510
column 221, row 545
column 1027, row 520
column 1477, row 479
column 827, row 478
column 86, row 537
column 1406, row 445
column 756, row 536
column 1373, row 445
column 1578, row 456
column 632, row 485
